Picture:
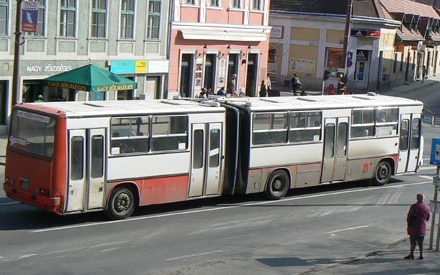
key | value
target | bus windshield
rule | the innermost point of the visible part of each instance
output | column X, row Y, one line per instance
column 32, row 133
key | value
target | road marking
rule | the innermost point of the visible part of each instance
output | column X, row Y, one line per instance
column 427, row 168
column 7, row 203
column 220, row 207
column 108, row 244
column 347, row 229
column 426, row 177
column 193, row 255
column 27, row 256
column 62, row 251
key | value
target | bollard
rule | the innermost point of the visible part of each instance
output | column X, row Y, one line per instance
column 433, row 120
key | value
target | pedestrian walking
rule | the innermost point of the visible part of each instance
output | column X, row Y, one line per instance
column 296, row 84
column 268, row 83
column 424, row 73
column 263, row 90
column 417, row 219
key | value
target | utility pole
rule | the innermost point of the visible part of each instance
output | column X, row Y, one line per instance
column 347, row 35
column 15, row 73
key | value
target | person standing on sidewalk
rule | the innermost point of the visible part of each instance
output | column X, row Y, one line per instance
column 417, row 218
column 296, row 84
column 424, row 72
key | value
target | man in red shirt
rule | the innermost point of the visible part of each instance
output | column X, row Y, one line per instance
column 417, row 218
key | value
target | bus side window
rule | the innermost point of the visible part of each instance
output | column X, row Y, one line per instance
column 130, row 135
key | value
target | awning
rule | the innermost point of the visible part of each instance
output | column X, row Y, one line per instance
column 224, row 35
column 90, row 78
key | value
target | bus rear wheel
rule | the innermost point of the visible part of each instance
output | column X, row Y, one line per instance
column 382, row 174
column 278, row 185
column 121, row 204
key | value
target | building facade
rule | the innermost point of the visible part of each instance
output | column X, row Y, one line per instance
column 127, row 37
column 417, row 41
column 308, row 39
column 218, row 44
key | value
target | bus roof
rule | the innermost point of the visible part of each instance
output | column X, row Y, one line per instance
column 320, row 102
column 123, row 107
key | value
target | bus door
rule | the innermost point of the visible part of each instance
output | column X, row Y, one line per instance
column 206, row 159
column 334, row 162
column 86, row 169
column 409, row 143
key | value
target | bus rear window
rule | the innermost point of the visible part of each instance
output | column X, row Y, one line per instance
column 32, row 133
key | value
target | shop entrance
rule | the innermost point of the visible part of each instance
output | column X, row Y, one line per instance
column 362, row 70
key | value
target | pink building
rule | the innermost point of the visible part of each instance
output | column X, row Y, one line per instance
column 218, row 43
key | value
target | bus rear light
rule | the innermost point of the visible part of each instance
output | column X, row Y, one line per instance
column 43, row 192
column 9, row 181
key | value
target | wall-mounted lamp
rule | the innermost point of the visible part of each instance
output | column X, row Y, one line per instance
column 206, row 46
column 249, row 47
column 229, row 46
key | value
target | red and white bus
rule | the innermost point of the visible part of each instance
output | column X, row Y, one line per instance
column 76, row 157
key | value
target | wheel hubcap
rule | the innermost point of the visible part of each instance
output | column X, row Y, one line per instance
column 122, row 202
column 277, row 185
column 383, row 172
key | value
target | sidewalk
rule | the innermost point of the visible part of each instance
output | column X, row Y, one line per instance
column 387, row 261
column 395, row 91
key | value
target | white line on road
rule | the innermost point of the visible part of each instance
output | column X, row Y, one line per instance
column 193, row 255
column 426, row 177
column 7, row 203
column 347, row 229
column 27, row 256
column 227, row 207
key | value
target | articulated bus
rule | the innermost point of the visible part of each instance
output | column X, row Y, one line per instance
column 113, row 156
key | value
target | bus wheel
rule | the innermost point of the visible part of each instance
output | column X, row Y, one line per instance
column 278, row 185
column 121, row 204
column 382, row 174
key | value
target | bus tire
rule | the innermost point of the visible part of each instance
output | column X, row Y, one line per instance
column 121, row 204
column 382, row 174
column 278, row 185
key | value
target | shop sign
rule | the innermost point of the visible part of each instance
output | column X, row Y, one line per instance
column 365, row 33
column 48, row 68
column 302, row 65
column 140, row 67
column 123, row 66
column 129, row 66
column 362, row 55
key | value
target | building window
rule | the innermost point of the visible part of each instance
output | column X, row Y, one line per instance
column 236, row 4
column 127, row 18
column 3, row 17
column 214, row 3
column 67, row 18
column 256, row 4
column 189, row 2
column 153, row 19
column 99, row 18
